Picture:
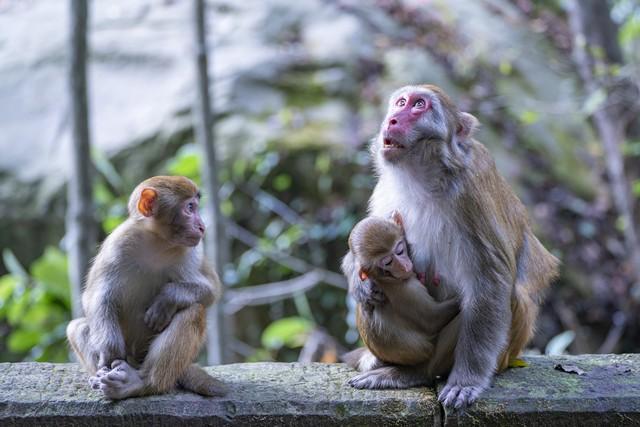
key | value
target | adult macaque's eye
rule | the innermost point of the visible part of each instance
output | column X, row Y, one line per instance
column 401, row 102
column 386, row 260
column 420, row 103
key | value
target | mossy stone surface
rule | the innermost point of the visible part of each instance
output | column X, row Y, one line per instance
column 608, row 393
column 45, row 394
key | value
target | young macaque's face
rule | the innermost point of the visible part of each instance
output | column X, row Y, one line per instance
column 397, row 262
column 169, row 205
column 188, row 225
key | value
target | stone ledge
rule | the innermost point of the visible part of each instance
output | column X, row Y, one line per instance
column 45, row 394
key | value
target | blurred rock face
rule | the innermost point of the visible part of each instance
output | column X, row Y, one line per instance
column 296, row 73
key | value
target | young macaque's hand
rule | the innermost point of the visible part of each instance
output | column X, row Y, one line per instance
column 159, row 315
column 369, row 294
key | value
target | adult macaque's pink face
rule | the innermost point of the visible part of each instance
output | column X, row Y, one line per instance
column 412, row 119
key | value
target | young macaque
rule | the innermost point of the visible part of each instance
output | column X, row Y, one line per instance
column 462, row 219
column 146, row 296
column 404, row 331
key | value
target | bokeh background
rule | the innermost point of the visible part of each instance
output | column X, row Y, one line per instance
column 298, row 89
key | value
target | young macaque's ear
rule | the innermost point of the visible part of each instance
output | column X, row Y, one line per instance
column 363, row 275
column 467, row 124
column 147, row 200
column 397, row 218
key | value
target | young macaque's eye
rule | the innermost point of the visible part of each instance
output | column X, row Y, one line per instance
column 400, row 248
column 420, row 103
column 386, row 260
column 191, row 207
column 401, row 102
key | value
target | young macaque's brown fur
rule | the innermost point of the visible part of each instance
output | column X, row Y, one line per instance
column 146, row 296
column 462, row 219
column 403, row 331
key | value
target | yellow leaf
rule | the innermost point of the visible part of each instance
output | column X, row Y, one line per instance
column 518, row 363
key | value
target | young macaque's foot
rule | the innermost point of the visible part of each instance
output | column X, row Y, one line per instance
column 121, row 381
column 94, row 381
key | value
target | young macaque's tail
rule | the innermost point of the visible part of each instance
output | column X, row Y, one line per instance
column 195, row 379
column 361, row 359
column 353, row 357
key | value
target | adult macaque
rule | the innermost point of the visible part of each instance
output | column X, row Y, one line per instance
column 404, row 330
column 460, row 217
column 146, row 295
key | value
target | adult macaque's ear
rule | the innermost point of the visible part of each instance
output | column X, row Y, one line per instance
column 363, row 275
column 397, row 218
column 148, row 197
column 467, row 124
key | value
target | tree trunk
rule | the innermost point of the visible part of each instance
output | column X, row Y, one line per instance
column 592, row 27
column 214, row 240
column 80, row 238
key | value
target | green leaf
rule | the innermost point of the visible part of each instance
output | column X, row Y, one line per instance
column 529, row 117
column 282, row 182
column 111, row 222
column 630, row 30
column 12, row 264
column 323, row 163
column 19, row 305
column 289, row 331
column 8, row 284
column 102, row 195
column 22, row 340
column 594, row 102
column 631, row 148
column 50, row 271
column 43, row 314
column 186, row 163
column 636, row 188
column 505, row 67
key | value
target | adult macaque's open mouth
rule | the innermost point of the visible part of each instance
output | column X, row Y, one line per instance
column 388, row 143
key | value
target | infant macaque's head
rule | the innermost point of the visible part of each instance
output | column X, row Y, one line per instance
column 380, row 248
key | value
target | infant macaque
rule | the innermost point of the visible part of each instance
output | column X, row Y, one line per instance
column 403, row 330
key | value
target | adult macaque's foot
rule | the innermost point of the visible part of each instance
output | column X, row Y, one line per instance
column 371, row 380
column 94, row 381
column 455, row 396
column 388, row 377
column 121, row 381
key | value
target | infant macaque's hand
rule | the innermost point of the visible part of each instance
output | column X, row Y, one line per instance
column 369, row 294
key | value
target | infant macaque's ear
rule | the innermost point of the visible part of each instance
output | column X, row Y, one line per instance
column 363, row 275
column 397, row 218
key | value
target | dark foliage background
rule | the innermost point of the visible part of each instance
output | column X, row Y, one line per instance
column 299, row 88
